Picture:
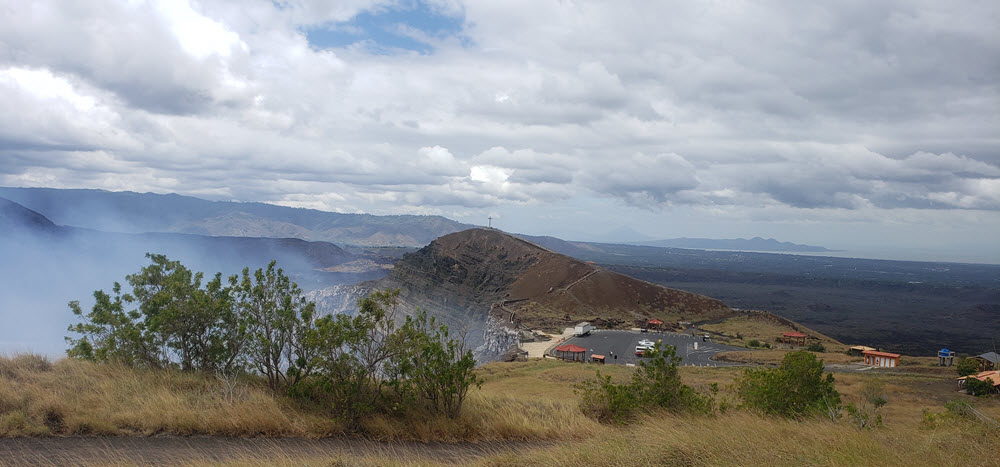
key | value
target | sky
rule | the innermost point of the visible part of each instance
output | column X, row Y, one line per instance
column 856, row 125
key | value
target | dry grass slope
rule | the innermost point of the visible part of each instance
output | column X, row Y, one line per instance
column 766, row 328
column 531, row 401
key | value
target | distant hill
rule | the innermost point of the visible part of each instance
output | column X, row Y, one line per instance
column 490, row 285
column 304, row 260
column 14, row 217
column 45, row 266
column 739, row 244
column 130, row 212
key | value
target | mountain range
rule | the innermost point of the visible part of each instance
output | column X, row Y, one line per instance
column 738, row 244
column 130, row 212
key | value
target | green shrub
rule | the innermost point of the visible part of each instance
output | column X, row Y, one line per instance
column 655, row 384
column 976, row 387
column 796, row 388
column 959, row 409
column 753, row 343
column 967, row 366
column 817, row 347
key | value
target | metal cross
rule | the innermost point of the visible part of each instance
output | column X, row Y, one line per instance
column 490, row 225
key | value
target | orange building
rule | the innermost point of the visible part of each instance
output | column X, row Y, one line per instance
column 881, row 359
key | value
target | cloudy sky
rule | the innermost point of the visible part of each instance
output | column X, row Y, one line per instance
column 867, row 126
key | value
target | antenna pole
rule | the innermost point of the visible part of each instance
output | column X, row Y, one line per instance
column 490, row 225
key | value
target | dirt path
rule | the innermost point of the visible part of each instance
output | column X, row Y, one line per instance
column 173, row 450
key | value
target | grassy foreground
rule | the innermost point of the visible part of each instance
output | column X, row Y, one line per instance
column 520, row 402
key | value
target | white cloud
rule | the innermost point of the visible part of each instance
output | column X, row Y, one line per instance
column 768, row 106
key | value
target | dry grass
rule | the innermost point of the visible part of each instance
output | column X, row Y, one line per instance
column 524, row 401
column 766, row 329
column 775, row 356
column 72, row 397
column 530, row 401
column 907, row 364
column 746, row 439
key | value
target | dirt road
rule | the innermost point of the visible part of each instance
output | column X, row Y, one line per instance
column 172, row 450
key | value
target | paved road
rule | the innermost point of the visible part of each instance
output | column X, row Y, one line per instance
column 622, row 344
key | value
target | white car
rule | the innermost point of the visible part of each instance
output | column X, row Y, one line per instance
column 646, row 343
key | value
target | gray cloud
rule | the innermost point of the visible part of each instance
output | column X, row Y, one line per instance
column 837, row 107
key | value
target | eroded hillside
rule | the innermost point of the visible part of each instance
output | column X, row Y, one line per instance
column 487, row 285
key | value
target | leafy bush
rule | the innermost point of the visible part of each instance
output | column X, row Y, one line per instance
column 976, row 387
column 753, row 343
column 432, row 367
column 816, row 347
column 955, row 410
column 655, row 384
column 967, row 366
column 959, row 409
column 177, row 322
column 796, row 388
column 262, row 323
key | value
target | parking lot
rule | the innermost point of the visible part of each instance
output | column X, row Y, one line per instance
column 621, row 344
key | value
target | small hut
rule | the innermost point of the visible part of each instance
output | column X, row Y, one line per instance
column 992, row 377
column 655, row 324
column 988, row 361
column 881, row 359
column 793, row 337
column 597, row 358
column 570, row 352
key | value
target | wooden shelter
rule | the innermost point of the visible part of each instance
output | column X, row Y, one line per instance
column 570, row 352
column 793, row 337
column 597, row 358
column 655, row 324
column 988, row 361
column 991, row 376
column 881, row 359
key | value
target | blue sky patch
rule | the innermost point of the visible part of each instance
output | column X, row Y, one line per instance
column 404, row 26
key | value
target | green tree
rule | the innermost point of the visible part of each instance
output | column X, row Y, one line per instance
column 178, row 314
column 109, row 332
column 175, row 321
column 796, row 388
column 432, row 367
column 277, row 320
column 967, row 366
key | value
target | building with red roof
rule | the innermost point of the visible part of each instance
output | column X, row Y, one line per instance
column 570, row 352
column 881, row 359
column 794, row 338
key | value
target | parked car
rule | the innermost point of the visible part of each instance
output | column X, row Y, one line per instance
column 646, row 343
column 640, row 350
